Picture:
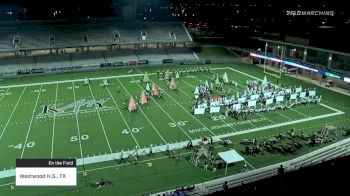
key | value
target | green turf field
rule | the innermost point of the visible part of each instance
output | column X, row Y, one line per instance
column 99, row 127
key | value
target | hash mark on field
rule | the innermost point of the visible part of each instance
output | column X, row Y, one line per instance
column 166, row 112
column 146, row 117
column 103, row 128
column 78, row 127
column 116, row 105
column 7, row 123
column 31, row 121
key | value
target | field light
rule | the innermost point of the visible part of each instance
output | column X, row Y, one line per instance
column 265, row 57
column 332, row 75
column 285, row 62
column 347, row 79
column 300, row 66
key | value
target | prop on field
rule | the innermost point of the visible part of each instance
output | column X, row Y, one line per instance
column 225, row 78
column 172, row 85
column 177, row 75
column 104, row 82
column 264, row 83
column 145, row 77
column 154, row 90
column 143, row 98
column 86, row 81
column 148, row 89
column 132, row 105
column 134, row 156
column 167, row 75
column 196, row 93
column 217, row 81
column 205, row 151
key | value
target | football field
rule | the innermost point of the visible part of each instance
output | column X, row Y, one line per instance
column 59, row 116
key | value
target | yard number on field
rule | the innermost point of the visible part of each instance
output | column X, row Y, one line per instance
column 20, row 145
column 219, row 117
column 133, row 130
column 180, row 123
column 76, row 138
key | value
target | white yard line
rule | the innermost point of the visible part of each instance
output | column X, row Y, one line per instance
column 4, row 94
column 69, row 81
column 283, row 115
column 31, row 121
column 54, row 123
column 165, row 112
column 189, row 112
column 8, row 121
column 299, row 112
column 281, row 124
column 78, row 127
column 99, row 116
column 116, row 105
column 161, row 137
column 249, row 164
column 266, row 118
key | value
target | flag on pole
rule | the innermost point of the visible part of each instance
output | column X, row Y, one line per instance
column 196, row 91
column 154, row 90
column 148, row 89
column 172, row 84
column 177, row 75
column 132, row 105
column 145, row 77
column 143, row 98
column 217, row 80
column 264, row 82
column 206, row 84
column 167, row 75
column 225, row 78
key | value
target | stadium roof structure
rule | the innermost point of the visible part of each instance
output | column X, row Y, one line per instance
column 41, row 35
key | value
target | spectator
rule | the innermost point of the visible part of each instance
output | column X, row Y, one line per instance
column 225, row 186
column 280, row 171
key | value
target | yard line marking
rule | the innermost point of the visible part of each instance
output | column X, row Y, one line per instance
column 31, row 121
column 78, row 127
column 99, row 116
column 266, row 118
column 299, row 112
column 4, row 94
column 192, row 98
column 184, row 109
column 14, row 108
column 115, row 103
column 71, row 81
column 165, row 112
column 54, row 123
column 283, row 115
column 189, row 112
column 149, row 122
column 249, row 164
